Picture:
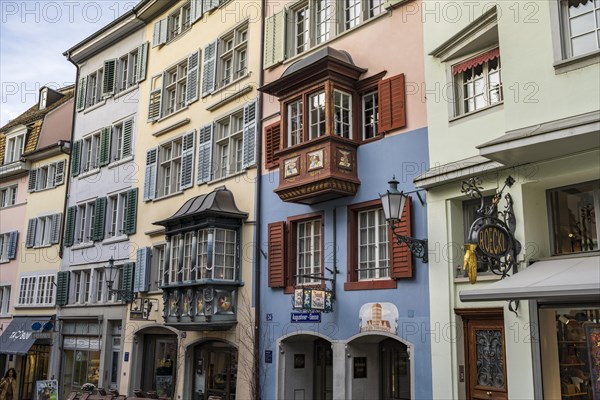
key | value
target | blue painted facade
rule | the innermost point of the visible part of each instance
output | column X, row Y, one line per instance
column 404, row 155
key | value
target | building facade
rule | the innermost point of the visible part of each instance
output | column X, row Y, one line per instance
column 344, row 309
column 521, row 119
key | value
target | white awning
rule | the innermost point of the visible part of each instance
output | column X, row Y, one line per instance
column 557, row 279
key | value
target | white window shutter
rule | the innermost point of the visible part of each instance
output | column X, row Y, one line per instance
column 59, row 177
column 208, row 5
column 154, row 105
column 30, row 239
column 209, row 68
column 109, row 77
column 204, row 154
column 55, row 228
column 12, row 244
column 187, row 160
column 127, row 137
column 32, row 180
column 140, row 73
column 249, row 144
column 192, row 77
column 196, row 10
column 81, row 91
column 274, row 51
column 141, row 281
column 150, row 175
column 159, row 35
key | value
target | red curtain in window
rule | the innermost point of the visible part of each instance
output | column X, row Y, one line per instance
column 475, row 61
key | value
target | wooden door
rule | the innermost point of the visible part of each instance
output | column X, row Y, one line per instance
column 485, row 354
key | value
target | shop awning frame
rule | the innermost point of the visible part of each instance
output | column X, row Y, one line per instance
column 19, row 335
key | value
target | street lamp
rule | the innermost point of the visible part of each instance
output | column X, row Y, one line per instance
column 393, row 202
column 112, row 274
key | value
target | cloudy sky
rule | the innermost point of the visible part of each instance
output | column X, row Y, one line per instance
column 33, row 36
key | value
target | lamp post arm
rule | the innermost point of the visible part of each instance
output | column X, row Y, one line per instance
column 418, row 247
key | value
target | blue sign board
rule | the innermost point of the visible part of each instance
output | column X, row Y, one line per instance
column 305, row 317
column 268, row 356
column 126, row 356
column 269, row 317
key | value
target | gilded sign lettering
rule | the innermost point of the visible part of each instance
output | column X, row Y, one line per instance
column 493, row 241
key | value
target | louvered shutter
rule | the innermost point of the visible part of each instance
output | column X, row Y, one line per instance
column 196, row 10
column 105, row 136
column 204, row 154
column 75, row 158
column 150, row 175
column 208, row 5
column 143, row 264
column 401, row 264
column 30, row 238
column 272, row 143
column 140, row 73
column 109, row 76
column 131, row 214
column 128, row 272
column 192, row 77
column 249, row 144
column 55, row 228
column 274, row 51
column 99, row 219
column 159, row 35
column 62, row 288
column 12, row 245
column 32, row 180
column 70, row 226
column 276, row 254
column 154, row 104
column 59, row 176
column 392, row 109
column 81, row 89
column 127, row 137
column 209, row 68
column 187, row 160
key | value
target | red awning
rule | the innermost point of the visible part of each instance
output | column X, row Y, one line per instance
column 475, row 61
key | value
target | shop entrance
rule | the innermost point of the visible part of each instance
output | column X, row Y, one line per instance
column 35, row 368
column 159, row 364
column 323, row 367
column 215, row 371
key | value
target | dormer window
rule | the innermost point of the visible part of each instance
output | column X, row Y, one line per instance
column 15, row 144
column 43, row 98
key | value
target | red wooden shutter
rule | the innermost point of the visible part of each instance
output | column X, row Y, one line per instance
column 392, row 104
column 400, row 256
column 272, row 142
column 276, row 254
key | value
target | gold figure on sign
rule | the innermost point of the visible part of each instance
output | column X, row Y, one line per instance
column 470, row 262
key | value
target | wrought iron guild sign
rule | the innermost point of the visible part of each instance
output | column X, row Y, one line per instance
column 491, row 239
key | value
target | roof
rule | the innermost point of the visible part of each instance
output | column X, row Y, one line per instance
column 325, row 52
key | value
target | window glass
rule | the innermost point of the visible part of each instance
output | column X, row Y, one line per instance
column 373, row 245
column 317, row 114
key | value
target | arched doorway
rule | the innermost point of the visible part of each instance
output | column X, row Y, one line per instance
column 214, row 371
column 156, row 361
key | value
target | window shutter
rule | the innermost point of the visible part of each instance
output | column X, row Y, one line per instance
column 30, row 239
column 150, row 175
column 127, row 137
column 192, row 77
column 140, row 73
column 401, row 263
column 108, row 79
column 99, row 219
column 160, row 33
column 59, row 177
column 274, row 51
column 272, row 143
column 62, row 288
column 196, row 10
column 187, row 160
column 131, row 215
column 55, row 228
column 12, row 245
column 143, row 264
column 154, row 104
column 105, row 136
column 81, row 89
column 32, row 180
column 249, row 143
column 70, row 226
column 75, row 158
column 204, row 154
column 276, row 254
column 392, row 106
column 209, row 68
column 208, row 5
column 128, row 271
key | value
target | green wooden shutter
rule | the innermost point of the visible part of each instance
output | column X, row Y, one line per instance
column 104, row 156
column 274, row 51
column 140, row 73
column 62, row 288
column 55, row 228
column 128, row 272
column 109, row 76
column 70, row 226
column 99, row 219
column 76, row 157
column 127, row 137
column 192, row 77
column 131, row 212
column 81, row 93
column 32, row 180
column 59, row 177
column 30, row 238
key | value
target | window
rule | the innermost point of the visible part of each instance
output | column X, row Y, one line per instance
column 301, row 21
column 169, row 167
column 121, row 137
column 8, row 196
column 574, row 214
column 100, row 284
column 4, row 299
column 317, row 114
column 90, row 152
column 43, row 230
column 94, row 88
column 308, row 252
column 37, row 290
column 228, row 144
column 46, row 176
column 8, row 246
column 295, row 123
column 179, row 21
column 158, row 265
column 358, row 11
column 14, row 148
column 470, row 214
column 85, row 223
column 81, row 286
column 126, row 70
column 581, row 26
column 175, row 88
column 373, row 245
column 233, row 56
column 370, row 107
column 478, row 82
column 323, row 12
column 342, row 110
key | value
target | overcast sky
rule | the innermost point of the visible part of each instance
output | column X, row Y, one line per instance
column 33, row 36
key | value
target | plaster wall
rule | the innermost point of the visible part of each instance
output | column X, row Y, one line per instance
column 57, row 125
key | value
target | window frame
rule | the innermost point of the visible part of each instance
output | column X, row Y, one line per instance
column 12, row 153
column 4, row 243
column 33, row 288
column 178, row 17
column 172, row 161
column 90, row 152
column 466, row 206
column 232, row 141
column 116, row 221
column 93, row 91
column 174, row 88
column 5, row 293
column 8, row 196
column 566, row 37
column 375, row 125
column 292, row 251
column 232, row 47
column 84, row 224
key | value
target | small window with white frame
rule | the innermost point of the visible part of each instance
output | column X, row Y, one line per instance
column 158, row 265
column 373, row 245
column 14, row 147
column 179, row 21
column 370, row 109
column 228, row 144
column 94, row 88
column 90, row 152
column 233, row 55
column 295, row 124
column 85, row 222
column 169, row 170
column 121, row 137
column 581, row 26
column 342, row 111
column 117, row 212
column 4, row 245
column 4, row 299
column 8, row 196
column 45, row 177
column 126, row 70
column 309, row 242
column 316, row 116
column 37, row 290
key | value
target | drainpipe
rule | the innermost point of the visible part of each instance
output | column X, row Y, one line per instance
column 258, row 207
